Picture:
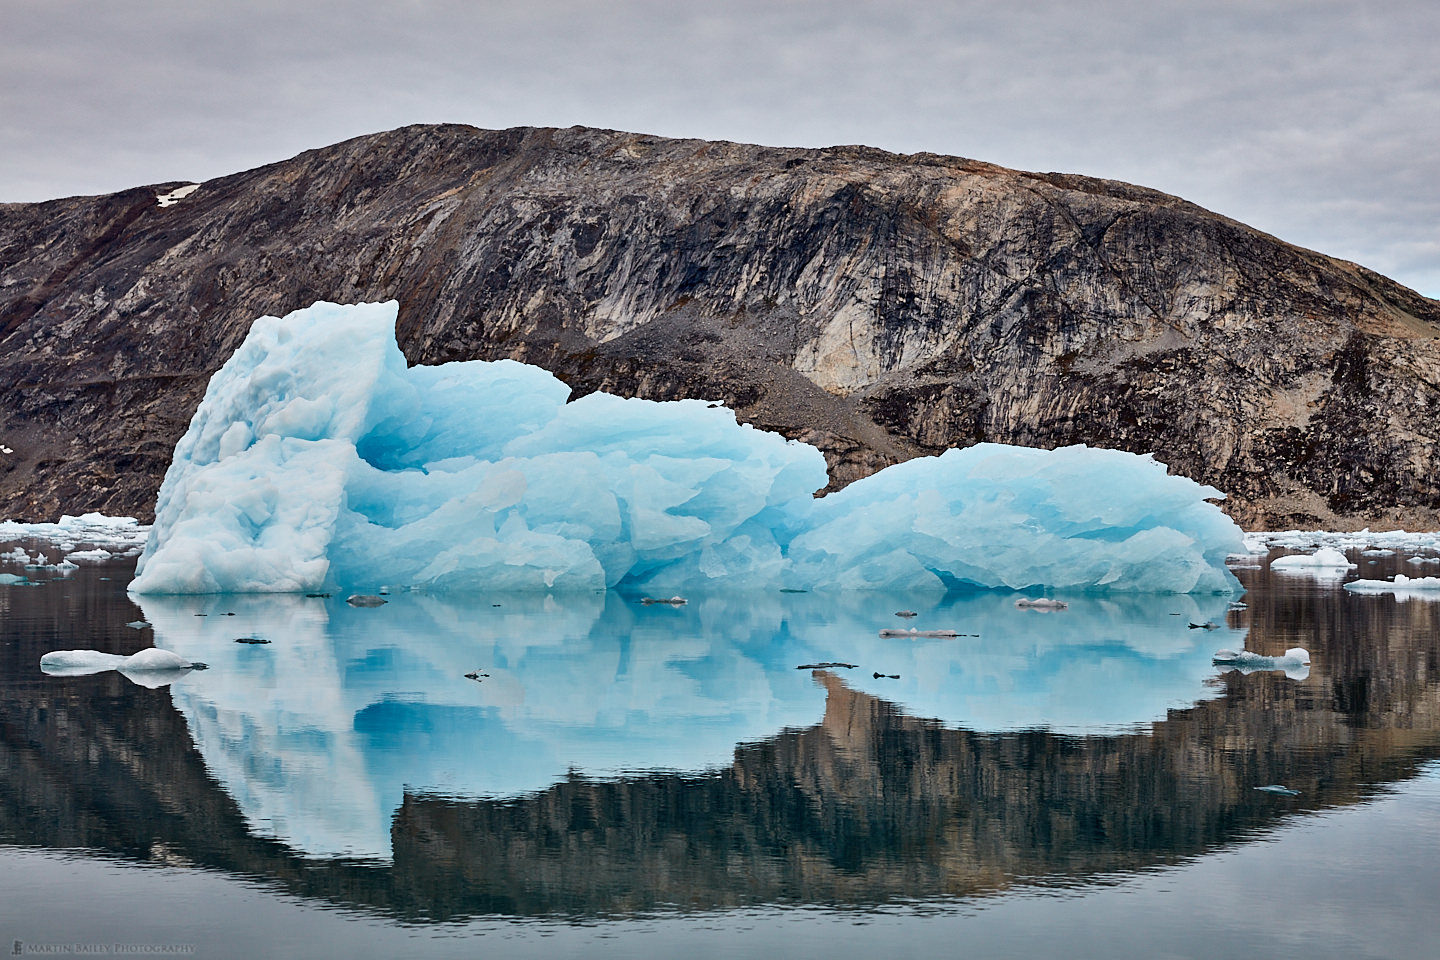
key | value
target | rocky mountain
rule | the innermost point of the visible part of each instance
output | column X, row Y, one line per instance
column 877, row 305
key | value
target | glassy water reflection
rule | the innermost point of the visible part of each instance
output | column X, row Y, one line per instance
column 613, row 759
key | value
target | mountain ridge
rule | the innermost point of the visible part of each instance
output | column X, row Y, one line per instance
column 879, row 305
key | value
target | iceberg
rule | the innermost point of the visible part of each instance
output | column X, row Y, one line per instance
column 318, row 461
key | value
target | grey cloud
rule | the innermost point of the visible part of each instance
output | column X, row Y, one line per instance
column 1312, row 119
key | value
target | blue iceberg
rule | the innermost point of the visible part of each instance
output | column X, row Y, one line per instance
column 318, row 461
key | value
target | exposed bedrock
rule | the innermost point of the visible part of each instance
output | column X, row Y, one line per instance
column 876, row 305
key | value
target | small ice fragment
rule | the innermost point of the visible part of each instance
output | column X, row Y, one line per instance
column 156, row 659
column 1375, row 552
column 11, row 578
column 1323, row 559
column 672, row 601
column 88, row 556
column 151, row 667
column 1207, row 625
column 1278, row 790
column 1294, row 662
column 365, row 600
column 137, row 624
column 1041, row 603
column 906, row 613
column 912, row 632
column 1403, row 587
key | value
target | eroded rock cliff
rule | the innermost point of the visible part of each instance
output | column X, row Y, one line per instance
column 879, row 306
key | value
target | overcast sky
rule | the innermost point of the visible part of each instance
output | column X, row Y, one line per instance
column 1315, row 120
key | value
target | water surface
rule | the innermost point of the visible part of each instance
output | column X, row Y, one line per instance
column 622, row 778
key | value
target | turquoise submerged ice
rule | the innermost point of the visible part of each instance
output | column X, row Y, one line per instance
column 318, row 460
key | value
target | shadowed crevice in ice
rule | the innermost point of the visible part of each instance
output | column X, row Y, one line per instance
column 317, row 459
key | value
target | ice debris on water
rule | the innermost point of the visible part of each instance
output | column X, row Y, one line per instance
column 1294, row 662
column 89, row 556
column 931, row 634
column 151, row 667
column 114, row 534
column 1403, row 587
column 365, row 600
column 1040, row 603
column 138, row 624
column 1279, row 790
column 319, row 459
column 1398, row 540
column 1324, row 564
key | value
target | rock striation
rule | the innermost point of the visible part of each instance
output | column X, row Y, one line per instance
column 876, row 305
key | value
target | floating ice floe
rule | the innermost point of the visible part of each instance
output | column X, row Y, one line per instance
column 151, row 667
column 1294, row 663
column 89, row 556
column 1279, row 790
column 1403, row 587
column 1397, row 540
column 1323, row 564
column 114, row 534
column 1040, row 603
column 319, row 460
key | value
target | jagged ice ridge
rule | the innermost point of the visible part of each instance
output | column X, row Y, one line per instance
column 318, row 459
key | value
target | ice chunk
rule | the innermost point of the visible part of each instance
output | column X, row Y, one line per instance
column 88, row 556
column 119, row 533
column 1294, row 662
column 1324, row 564
column 319, row 461
column 151, row 667
column 1403, row 587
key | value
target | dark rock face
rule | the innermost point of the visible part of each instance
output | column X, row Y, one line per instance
column 879, row 306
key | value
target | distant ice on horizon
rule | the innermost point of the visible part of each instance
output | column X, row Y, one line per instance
column 317, row 460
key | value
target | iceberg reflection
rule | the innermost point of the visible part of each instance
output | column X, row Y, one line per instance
column 320, row 734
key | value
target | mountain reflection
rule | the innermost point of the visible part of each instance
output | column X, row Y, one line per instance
column 350, row 760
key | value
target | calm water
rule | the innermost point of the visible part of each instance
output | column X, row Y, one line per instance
column 645, row 780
